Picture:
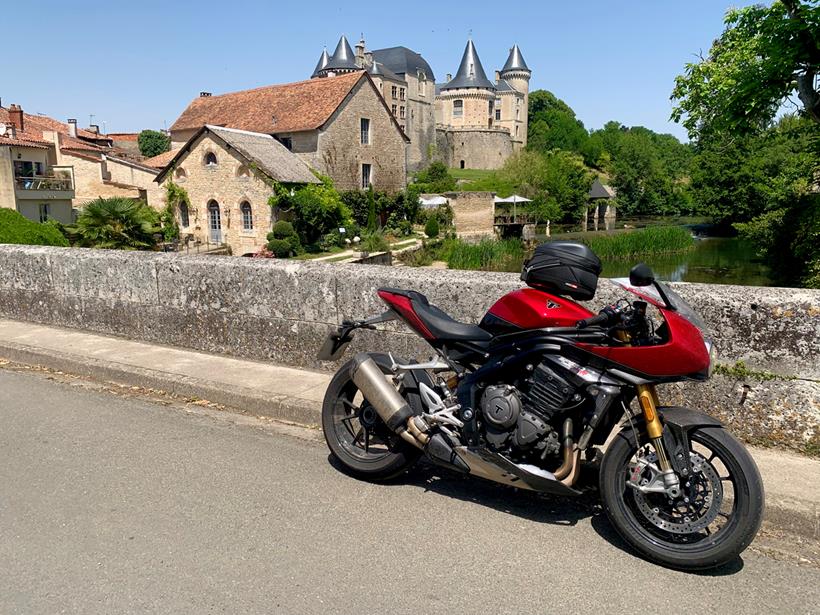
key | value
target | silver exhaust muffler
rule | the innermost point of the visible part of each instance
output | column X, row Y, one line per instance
column 391, row 407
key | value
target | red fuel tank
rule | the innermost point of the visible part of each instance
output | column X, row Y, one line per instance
column 529, row 308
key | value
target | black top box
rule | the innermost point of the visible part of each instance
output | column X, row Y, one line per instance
column 563, row 268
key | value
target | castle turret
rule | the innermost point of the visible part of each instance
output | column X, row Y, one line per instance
column 517, row 74
column 468, row 98
column 343, row 60
column 320, row 65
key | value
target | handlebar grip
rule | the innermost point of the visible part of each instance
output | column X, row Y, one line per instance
column 592, row 320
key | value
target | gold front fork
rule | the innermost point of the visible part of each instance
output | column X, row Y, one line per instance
column 648, row 400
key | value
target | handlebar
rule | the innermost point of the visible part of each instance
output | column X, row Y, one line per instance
column 601, row 318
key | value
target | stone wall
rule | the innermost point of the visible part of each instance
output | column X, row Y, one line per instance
column 473, row 148
column 282, row 310
column 473, row 212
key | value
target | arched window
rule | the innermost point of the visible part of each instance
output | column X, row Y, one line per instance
column 184, row 218
column 180, row 173
column 243, row 171
column 458, row 108
column 247, row 216
column 210, row 159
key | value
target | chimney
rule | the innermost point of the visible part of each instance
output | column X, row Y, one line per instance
column 449, row 77
column 94, row 128
column 16, row 117
column 72, row 128
column 360, row 53
column 204, row 94
column 368, row 58
column 497, row 76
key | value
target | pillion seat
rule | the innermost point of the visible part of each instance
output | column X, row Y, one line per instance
column 441, row 325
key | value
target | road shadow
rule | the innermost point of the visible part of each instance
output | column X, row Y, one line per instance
column 531, row 506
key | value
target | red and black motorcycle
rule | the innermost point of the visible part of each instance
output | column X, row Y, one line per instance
column 519, row 397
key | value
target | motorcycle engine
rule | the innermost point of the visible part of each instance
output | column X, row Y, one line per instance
column 520, row 420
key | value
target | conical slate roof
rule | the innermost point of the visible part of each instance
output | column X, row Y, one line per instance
column 343, row 58
column 378, row 69
column 470, row 72
column 323, row 60
column 515, row 61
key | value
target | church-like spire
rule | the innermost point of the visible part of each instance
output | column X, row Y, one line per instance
column 470, row 72
column 322, row 63
column 515, row 61
column 343, row 57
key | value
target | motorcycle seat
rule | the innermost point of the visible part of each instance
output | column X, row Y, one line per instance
column 441, row 325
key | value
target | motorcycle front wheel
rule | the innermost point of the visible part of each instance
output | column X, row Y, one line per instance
column 355, row 434
column 716, row 517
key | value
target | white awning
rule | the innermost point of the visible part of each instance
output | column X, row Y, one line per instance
column 513, row 199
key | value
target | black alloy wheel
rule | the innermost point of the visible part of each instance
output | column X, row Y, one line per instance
column 716, row 516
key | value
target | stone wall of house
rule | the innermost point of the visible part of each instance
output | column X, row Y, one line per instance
column 229, row 183
column 88, row 180
column 473, row 148
column 127, row 173
column 473, row 212
column 282, row 310
column 341, row 153
column 6, row 179
column 420, row 123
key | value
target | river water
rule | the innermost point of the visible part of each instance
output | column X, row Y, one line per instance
column 713, row 260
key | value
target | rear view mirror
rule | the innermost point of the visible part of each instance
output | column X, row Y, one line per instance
column 641, row 275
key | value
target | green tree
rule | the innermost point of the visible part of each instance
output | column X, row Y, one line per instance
column 117, row 223
column 372, row 222
column 153, row 143
column 431, row 229
column 764, row 54
column 318, row 209
column 553, row 125
column 436, row 178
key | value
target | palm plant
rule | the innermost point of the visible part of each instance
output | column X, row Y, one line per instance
column 117, row 223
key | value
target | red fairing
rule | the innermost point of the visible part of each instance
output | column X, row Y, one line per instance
column 683, row 354
column 529, row 308
column 404, row 307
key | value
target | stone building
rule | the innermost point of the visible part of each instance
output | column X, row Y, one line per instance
column 339, row 125
column 227, row 174
column 405, row 81
column 50, row 168
column 480, row 123
column 468, row 122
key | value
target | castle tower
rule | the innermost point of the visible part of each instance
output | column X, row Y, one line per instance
column 469, row 97
column 320, row 65
column 342, row 61
column 517, row 74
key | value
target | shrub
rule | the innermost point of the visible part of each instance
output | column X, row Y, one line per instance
column 283, row 234
column 375, row 242
column 15, row 228
column 629, row 244
column 117, row 223
column 280, row 247
column 431, row 229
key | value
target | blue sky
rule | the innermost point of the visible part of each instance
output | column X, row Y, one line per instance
column 137, row 65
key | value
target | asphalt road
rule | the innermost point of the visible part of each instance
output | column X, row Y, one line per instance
column 119, row 504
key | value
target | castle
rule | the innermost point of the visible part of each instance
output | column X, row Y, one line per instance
column 467, row 121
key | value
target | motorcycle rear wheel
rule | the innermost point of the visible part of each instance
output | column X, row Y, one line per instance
column 652, row 525
column 355, row 434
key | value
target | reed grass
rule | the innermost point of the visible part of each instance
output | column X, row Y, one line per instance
column 642, row 242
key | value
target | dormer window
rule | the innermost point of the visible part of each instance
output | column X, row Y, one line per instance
column 210, row 159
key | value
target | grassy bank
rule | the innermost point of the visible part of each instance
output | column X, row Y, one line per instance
column 643, row 242
column 485, row 255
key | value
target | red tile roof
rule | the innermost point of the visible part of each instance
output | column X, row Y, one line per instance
column 34, row 125
column 123, row 136
column 291, row 107
column 161, row 161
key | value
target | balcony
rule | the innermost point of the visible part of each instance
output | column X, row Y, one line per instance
column 58, row 183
